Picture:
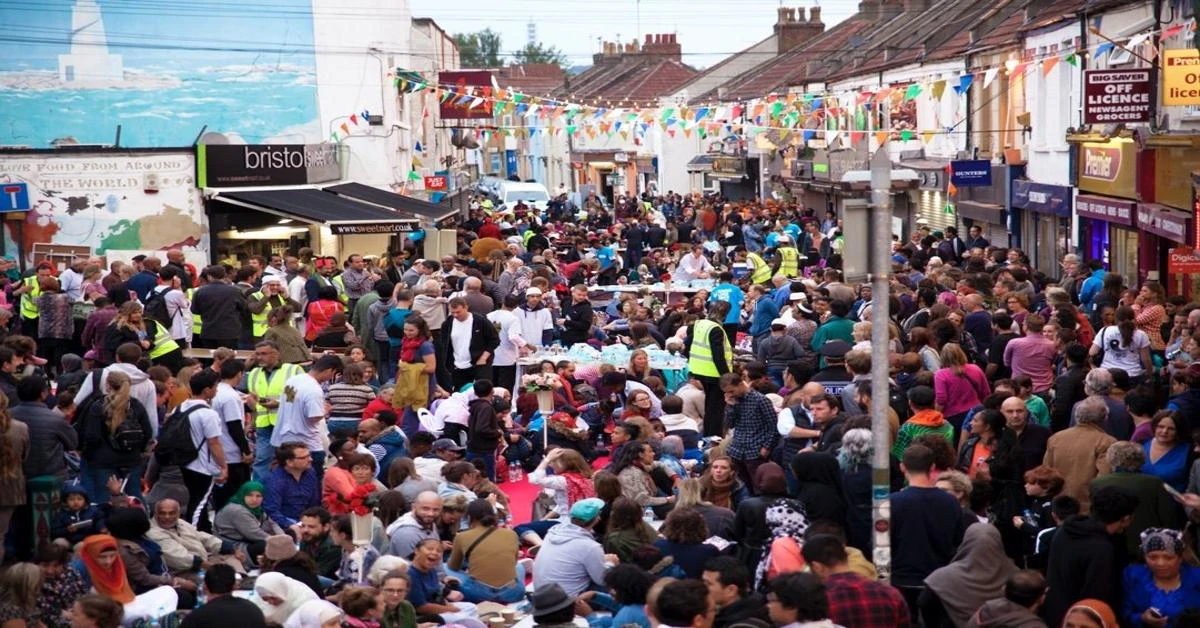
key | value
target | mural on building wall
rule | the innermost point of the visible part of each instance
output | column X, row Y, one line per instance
column 119, row 202
column 75, row 70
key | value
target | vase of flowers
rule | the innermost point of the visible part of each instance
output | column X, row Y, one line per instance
column 360, row 507
column 542, row 385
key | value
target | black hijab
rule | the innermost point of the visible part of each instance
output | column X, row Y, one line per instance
column 820, row 487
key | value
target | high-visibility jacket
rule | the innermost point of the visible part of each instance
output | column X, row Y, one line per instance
column 340, row 284
column 760, row 270
column 789, row 262
column 700, row 355
column 269, row 387
column 29, row 308
column 162, row 342
column 258, row 322
column 197, row 322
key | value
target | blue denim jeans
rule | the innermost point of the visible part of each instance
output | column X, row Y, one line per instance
column 489, row 462
column 95, row 480
column 342, row 424
column 475, row 591
column 264, row 453
column 389, row 356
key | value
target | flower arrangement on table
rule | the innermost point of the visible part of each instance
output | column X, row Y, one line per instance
column 540, row 382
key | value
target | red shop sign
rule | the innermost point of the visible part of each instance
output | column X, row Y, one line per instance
column 436, row 183
column 1183, row 260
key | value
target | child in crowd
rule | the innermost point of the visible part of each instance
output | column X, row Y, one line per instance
column 78, row 517
column 1062, row 508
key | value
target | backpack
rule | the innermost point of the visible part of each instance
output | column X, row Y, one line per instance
column 899, row 402
column 156, row 307
column 175, row 446
column 129, row 437
column 97, row 393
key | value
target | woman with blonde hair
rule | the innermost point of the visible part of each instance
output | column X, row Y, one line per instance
column 718, row 519
column 113, row 434
column 958, row 386
column 14, row 447
column 20, row 587
column 127, row 326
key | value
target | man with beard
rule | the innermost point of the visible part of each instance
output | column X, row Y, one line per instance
column 316, row 542
column 420, row 523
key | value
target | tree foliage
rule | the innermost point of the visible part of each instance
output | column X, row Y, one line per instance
column 538, row 53
column 480, row 49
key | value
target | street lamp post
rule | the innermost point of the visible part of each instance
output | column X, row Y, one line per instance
column 880, row 273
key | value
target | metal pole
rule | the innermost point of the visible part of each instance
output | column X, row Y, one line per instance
column 880, row 267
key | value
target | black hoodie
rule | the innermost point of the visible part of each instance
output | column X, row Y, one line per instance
column 1085, row 562
column 751, row 606
column 483, row 428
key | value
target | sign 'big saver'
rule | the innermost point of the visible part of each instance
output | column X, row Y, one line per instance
column 1181, row 77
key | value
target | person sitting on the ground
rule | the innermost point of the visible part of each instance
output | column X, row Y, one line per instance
column 431, row 599
column 570, row 554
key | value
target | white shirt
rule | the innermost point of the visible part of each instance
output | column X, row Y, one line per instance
column 205, row 424
column 1117, row 356
column 228, row 405
column 301, row 408
column 460, row 342
column 297, row 293
column 533, row 323
column 690, row 267
column 72, row 284
column 510, row 337
column 180, row 311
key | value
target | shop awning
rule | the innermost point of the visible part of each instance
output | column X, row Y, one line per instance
column 700, row 163
column 342, row 215
column 391, row 200
column 985, row 212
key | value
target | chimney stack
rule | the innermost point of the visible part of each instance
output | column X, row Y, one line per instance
column 663, row 45
column 793, row 30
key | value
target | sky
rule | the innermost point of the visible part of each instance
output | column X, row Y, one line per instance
column 708, row 30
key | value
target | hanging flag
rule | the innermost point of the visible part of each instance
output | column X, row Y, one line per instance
column 964, row 83
column 939, row 88
column 1073, row 60
column 418, row 148
column 416, row 163
column 912, row 92
column 990, row 76
column 354, row 119
column 366, row 115
column 413, row 175
column 1048, row 65
column 1104, row 48
column 809, row 134
column 881, row 137
column 1170, row 31
column 906, row 135
column 334, row 136
column 1137, row 40
column 951, row 189
column 345, row 128
column 926, row 136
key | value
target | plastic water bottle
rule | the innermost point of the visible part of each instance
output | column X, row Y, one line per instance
column 154, row 619
column 648, row 515
column 515, row 473
column 200, row 589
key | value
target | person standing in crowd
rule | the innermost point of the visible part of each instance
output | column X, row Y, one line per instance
column 302, row 406
column 357, row 279
column 752, row 418
column 710, row 355
column 467, row 346
column 222, row 309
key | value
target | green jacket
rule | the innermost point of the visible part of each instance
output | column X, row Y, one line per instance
column 403, row 616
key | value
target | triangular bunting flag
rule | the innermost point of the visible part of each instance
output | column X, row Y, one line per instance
column 1104, row 48
column 906, row 135
column 354, row 119
column 413, row 175
column 334, row 136
column 951, row 189
column 964, row 83
column 366, row 115
column 416, row 163
column 912, row 91
column 1073, row 60
column 1048, row 65
column 881, row 137
column 926, row 136
column 418, row 148
column 1170, row 31
column 939, row 88
column 990, row 76
column 345, row 128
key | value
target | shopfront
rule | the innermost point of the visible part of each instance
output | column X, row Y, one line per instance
column 930, row 203
column 982, row 198
column 737, row 176
column 1163, row 229
column 611, row 173
column 260, row 200
column 1171, row 160
column 1107, row 232
column 1043, row 214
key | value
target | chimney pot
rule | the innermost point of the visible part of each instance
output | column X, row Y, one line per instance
column 781, row 15
column 814, row 15
column 648, row 38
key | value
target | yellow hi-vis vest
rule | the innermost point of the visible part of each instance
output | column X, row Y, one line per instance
column 29, row 309
column 340, row 284
column 700, row 355
column 197, row 322
column 258, row 322
column 789, row 262
column 269, row 388
column 760, row 270
column 161, row 343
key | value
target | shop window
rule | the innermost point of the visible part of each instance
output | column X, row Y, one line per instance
column 1123, row 253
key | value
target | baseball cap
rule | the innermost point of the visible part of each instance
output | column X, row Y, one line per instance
column 835, row 349
column 138, row 258
column 536, row 292
column 446, row 444
column 586, row 510
column 779, row 322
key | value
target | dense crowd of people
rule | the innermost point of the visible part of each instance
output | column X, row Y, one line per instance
column 684, row 382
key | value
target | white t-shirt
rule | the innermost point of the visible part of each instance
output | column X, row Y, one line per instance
column 533, row 323
column 301, row 408
column 228, row 405
column 460, row 342
column 205, row 424
column 509, row 330
column 1121, row 357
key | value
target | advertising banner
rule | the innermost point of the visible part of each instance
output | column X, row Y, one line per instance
column 243, row 165
column 1112, row 96
column 1181, row 77
column 970, row 173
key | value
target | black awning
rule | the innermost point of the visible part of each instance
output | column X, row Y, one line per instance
column 344, row 216
column 398, row 202
column 700, row 163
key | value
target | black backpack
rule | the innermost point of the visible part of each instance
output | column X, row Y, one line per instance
column 175, row 446
column 156, row 307
column 899, row 402
column 129, row 437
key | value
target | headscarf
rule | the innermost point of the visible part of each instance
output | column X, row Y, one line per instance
column 293, row 593
column 239, row 497
column 1095, row 609
column 975, row 575
column 313, row 614
column 820, row 486
column 112, row 581
column 785, row 518
column 769, row 480
column 1162, row 540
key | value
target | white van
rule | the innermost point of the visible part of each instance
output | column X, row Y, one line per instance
column 534, row 194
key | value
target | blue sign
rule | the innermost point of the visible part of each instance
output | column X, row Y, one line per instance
column 971, row 173
column 14, row 197
column 510, row 163
column 1042, row 198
